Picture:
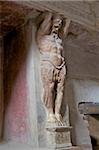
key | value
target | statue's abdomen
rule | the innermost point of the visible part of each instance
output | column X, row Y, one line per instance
column 47, row 44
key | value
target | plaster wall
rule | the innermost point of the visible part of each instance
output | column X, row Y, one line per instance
column 82, row 56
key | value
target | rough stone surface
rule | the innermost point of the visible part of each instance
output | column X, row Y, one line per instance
column 82, row 54
column 83, row 12
column 58, row 137
column 13, row 15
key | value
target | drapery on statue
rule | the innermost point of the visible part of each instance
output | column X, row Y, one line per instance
column 49, row 37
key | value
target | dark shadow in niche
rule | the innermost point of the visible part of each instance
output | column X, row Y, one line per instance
column 14, row 56
column 96, row 116
column 94, row 142
column 16, row 45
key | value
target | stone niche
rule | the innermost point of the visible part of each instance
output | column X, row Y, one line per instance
column 24, row 112
column 25, row 116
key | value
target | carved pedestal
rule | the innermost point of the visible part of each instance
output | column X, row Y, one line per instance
column 58, row 137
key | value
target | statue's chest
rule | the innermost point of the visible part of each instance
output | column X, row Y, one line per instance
column 56, row 39
column 52, row 39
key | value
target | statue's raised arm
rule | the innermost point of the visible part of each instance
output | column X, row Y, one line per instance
column 65, row 28
column 44, row 25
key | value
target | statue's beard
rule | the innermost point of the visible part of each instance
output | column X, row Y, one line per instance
column 55, row 30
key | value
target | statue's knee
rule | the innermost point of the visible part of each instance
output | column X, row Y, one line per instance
column 51, row 86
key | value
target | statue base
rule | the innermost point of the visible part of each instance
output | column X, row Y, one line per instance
column 68, row 148
column 58, row 137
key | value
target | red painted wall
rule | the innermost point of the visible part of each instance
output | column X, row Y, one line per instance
column 15, row 87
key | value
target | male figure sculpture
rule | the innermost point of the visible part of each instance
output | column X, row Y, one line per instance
column 49, row 40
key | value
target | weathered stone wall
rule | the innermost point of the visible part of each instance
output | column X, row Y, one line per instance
column 82, row 55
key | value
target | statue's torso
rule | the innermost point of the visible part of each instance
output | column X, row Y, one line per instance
column 51, row 46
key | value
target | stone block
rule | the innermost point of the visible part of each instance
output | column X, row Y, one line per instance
column 58, row 137
column 96, row 148
column 68, row 148
column 72, row 148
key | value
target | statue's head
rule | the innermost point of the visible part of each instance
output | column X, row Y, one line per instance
column 57, row 22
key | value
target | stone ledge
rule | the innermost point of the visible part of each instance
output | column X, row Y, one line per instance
column 58, row 128
column 71, row 148
column 96, row 148
column 20, row 146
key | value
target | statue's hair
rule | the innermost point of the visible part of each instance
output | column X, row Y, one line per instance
column 57, row 16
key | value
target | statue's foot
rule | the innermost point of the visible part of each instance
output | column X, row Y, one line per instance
column 55, row 120
column 51, row 118
column 59, row 119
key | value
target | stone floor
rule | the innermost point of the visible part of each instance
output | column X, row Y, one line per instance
column 16, row 146
column 20, row 146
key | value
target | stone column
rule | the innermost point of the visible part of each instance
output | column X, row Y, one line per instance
column 1, row 86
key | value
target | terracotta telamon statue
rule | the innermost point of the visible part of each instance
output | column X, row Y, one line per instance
column 50, row 33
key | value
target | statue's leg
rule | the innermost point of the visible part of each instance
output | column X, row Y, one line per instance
column 48, row 89
column 59, row 97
